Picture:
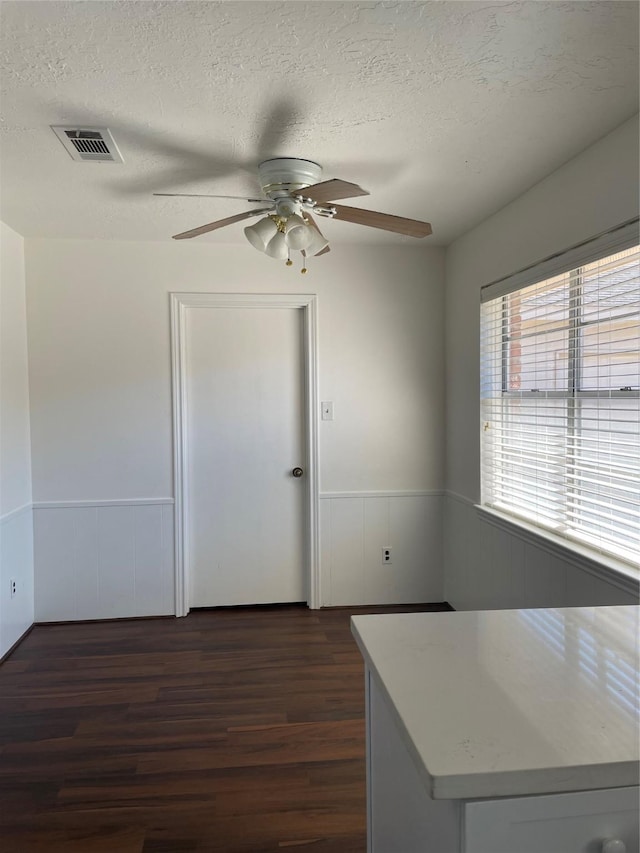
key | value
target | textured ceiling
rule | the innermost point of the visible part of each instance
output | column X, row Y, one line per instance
column 444, row 111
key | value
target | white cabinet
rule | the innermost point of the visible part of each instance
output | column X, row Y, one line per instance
column 403, row 818
column 505, row 731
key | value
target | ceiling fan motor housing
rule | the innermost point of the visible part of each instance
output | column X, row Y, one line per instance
column 286, row 176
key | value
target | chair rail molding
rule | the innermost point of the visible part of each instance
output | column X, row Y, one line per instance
column 92, row 503
column 401, row 493
column 15, row 513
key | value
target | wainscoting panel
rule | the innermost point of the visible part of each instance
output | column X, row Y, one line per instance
column 491, row 566
column 346, row 555
column 355, row 527
column 16, row 564
column 103, row 560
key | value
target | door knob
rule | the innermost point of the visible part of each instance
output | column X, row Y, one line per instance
column 614, row 845
column 297, row 472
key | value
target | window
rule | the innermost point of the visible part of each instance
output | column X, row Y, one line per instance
column 560, row 402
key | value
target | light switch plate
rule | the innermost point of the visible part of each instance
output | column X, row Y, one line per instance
column 327, row 411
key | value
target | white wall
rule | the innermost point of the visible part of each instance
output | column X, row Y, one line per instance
column 595, row 191
column 99, row 351
column 16, row 532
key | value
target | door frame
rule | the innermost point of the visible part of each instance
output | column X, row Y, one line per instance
column 180, row 303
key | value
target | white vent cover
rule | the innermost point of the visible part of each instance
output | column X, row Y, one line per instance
column 89, row 144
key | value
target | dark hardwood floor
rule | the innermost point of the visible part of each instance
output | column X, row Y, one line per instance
column 230, row 730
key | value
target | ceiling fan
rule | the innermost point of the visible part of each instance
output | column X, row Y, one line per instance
column 292, row 195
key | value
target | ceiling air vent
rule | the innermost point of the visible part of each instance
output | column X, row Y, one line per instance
column 89, row 144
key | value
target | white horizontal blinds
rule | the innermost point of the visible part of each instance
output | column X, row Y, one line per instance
column 610, row 307
column 560, row 392
column 526, row 352
column 605, row 446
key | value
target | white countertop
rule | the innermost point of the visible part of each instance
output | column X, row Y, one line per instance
column 511, row 702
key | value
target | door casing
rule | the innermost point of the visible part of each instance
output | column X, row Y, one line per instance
column 179, row 304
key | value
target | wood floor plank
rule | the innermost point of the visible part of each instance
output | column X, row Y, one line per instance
column 228, row 731
column 100, row 840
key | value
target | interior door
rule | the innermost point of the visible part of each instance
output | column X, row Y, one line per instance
column 245, row 435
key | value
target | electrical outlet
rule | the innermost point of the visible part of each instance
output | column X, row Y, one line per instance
column 386, row 555
column 12, row 586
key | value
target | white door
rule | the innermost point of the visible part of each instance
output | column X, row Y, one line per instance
column 244, row 436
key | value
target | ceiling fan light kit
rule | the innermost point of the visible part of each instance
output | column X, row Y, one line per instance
column 293, row 191
column 277, row 247
column 277, row 236
column 262, row 232
column 298, row 233
column 318, row 244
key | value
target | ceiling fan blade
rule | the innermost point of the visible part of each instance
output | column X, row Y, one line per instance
column 332, row 189
column 386, row 221
column 276, row 126
column 314, row 224
column 189, row 163
column 207, row 195
column 219, row 223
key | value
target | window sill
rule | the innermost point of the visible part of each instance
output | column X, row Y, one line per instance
column 616, row 572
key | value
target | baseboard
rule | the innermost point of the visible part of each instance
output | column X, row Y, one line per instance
column 436, row 606
column 98, row 621
column 17, row 643
column 258, row 608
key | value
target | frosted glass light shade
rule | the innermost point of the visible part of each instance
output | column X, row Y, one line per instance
column 277, row 247
column 298, row 234
column 317, row 244
column 261, row 233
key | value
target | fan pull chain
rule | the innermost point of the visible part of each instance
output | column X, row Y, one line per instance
column 304, row 263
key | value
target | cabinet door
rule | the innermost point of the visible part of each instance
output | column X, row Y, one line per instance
column 554, row 823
